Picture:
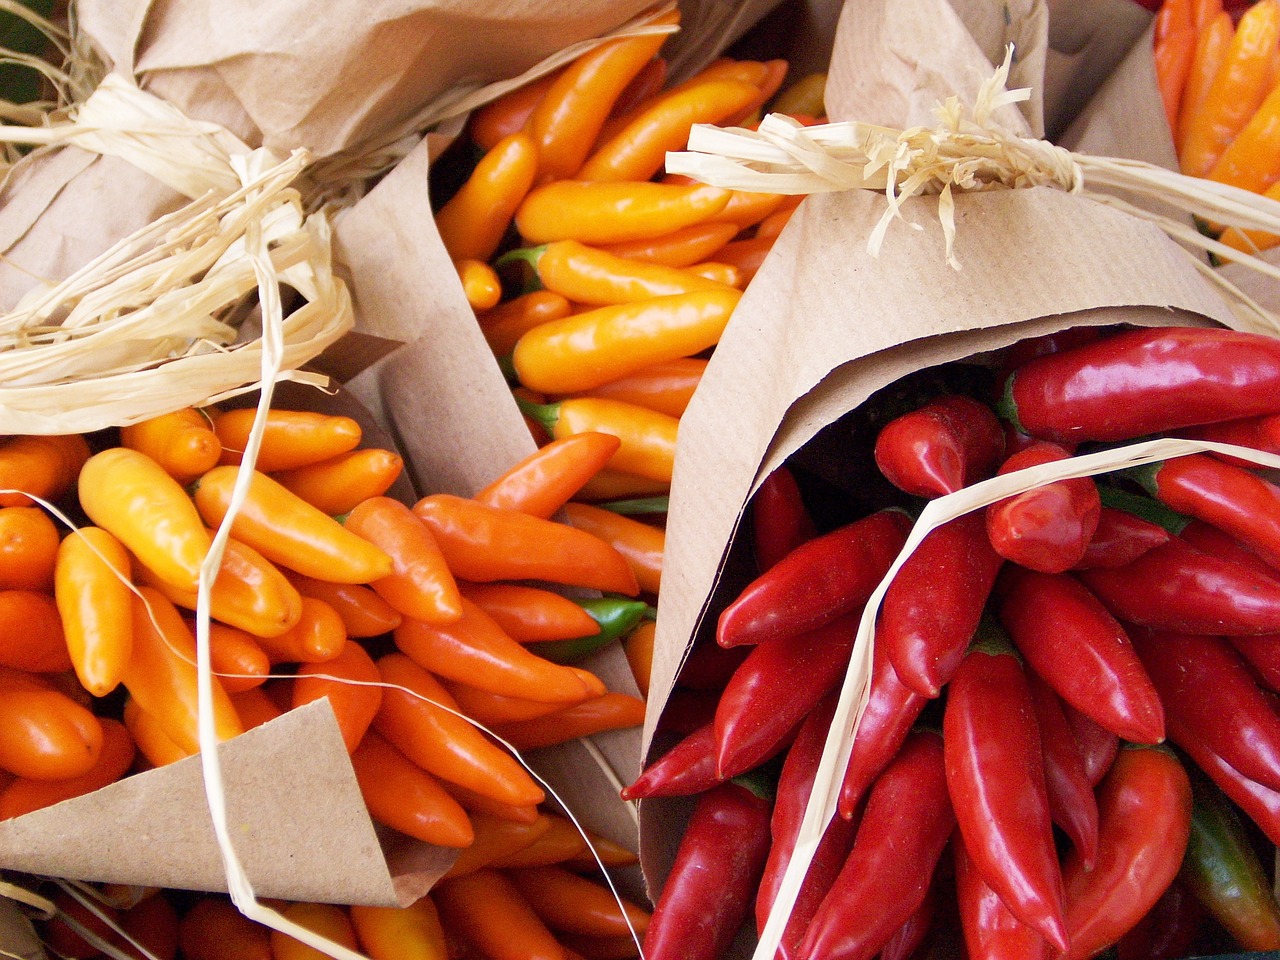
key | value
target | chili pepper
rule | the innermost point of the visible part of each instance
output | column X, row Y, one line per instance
column 684, row 769
column 1082, row 652
column 213, row 928
column 1168, row 930
column 496, row 837
column 482, row 544
column 681, row 247
column 648, row 438
column 1212, row 40
column 485, row 909
column 182, row 442
column 1144, row 817
column 1046, row 528
column 473, row 221
column 326, row 919
column 908, row 938
column 891, row 710
column 995, row 777
column 290, row 438
column 1144, row 381
column 287, row 530
column 507, row 322
column 318, row 637
column 494, row 709
column 236, row 658
column 1177, row 587
column 612, row 212
column 610, row 711
column 59, row 932
column 363, row 613
column 1206, row 686
column 415, row 716
column 507, row 114
column 666, row 386
column 1223, row 871
column 647, row 83
column 586, row 350
column 816, row 582
column 770, row 694
column 543, row 482
column 574, row 904
column 130, row 496
column 562, row 841
column 1174, row 52
column 1120, row 538
column 638, row 647
column 780, row 521
column 905, row 827
column 44, row 734
column 156, row 747
column 338, row 485
column 950, row 442
column 610, row 485
column 531, row 614
column 746, row 255
column 255, row 707
column 934, row 602
column 1258, row 433
column 480, row 283
column 614, row 617
column 711, row 886
column 39, row 466
column 746, row 208
column 991, row 931
column 635, row 506
column 708, row 666
column 28, row 549
column 1098, row 745
column 391, row 933
column 31, row 636
column 771, row 226
column 641, row 544
column 150, row 925
column 351, row 682
column 25, row 795
column 1072, row 805
column 1260, row 803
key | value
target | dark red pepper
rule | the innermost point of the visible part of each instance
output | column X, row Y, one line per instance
column 1169, row 929
column 1257, row 433
column 949, row 443
column 780, row 522
column 1046, row 528
column 1145, row 381
column 1262, row 653
column 991, row 931
column 1261, row 804
column 1098, row 745
column 909, row 937
column 995, row 776
column 1072, row 805
column 709, row 666
column 817, row 582
column 712, row 884
column 686, row 768
column 1207, row 537
column 904, row 829
column 934, row 603
column 1144, row 809
column 1120, row 538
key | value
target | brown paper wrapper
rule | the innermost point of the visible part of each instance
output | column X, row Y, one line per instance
column 18, row 937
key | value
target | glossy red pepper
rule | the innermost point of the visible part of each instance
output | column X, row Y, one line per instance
column 780, row 522
column 1168, row 930
column 910, row 937
column 817, row 582
column 1046, row 528
column 1120, row 538
column 686, row 768
column 1144, row 381
column 991, row 931
column 1098, row 745
column 1206, row 687
column 711, row 887
column 1262, row 653
column 1257, row 433
column 904, row 829
column 934, row 603
column 709, row 666
column 1177, row 587
column 1210, row 539
column 1072, row 641
column 1072, row 805
column 949, row 443
column 1144, row 808
column 995, row 776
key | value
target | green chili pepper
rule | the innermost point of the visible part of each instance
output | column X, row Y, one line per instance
column 617, row 616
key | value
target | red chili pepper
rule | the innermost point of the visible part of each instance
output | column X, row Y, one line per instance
column 995, row 776
column 934, row 603
column 1257, row 433
column 910, row 937
column 1210, row 539
column 709, row 666
column 775, row 688
column 817, row 582
column 711, row 886
column 1049, row 527
column 1206, row 687
column 687, row 768
column 1120, row 538
column 1144, row 808
column 1072, row 805
column 904, row 829
column 1168, row 930
column 1098, row 745
column 1143, row 381
column 949, row 443
column 1260, row 803
column 1082, row 651
column 780, row 522
column 1177, row 587
column 1262, row 653
column 991, row 931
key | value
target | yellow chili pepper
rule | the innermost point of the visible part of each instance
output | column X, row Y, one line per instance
column 648, row 438
column 91, row 587
column 473, row 220
column 614, row 211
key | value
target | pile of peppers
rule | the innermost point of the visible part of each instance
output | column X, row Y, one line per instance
column 1072, row 738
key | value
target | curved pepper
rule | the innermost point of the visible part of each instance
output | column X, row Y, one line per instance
column 614, row 616
column 780, row 522
column 990, row 930
column 949, row 443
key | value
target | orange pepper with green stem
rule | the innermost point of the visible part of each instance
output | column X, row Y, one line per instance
column 472, row 222
column 544, row 481
column 92, row 590
column 648, row 437
column 607, row 212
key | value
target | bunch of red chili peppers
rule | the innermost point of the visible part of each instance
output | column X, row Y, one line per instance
column 1072, row 741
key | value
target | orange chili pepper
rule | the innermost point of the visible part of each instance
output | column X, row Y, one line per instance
column 530, row 614
column 642, row 544
column 128, row 494
column 236, row 657
column 475, row 651
column 28, row 548
column 415, row 716
column 287, row 530
column 401, row 933
column 250, row 592
column 682, row 247
column 152, row 924
column 473, row 221
column 477, row 804
column 401, row 795
column 543, row 482
column 645, row 84
column 213, row 928
column 1252, row 160
column 508, row 114
column 562, row 841
column 44, row 734
column 614, row 485
column 638, row 647
column 482, row 544
column 420, row 584
column 351, row 682
column 92, row 591
column 648, row 437
column 31, row 636
column 568, row 118
column 805, row 95
column 747, row 255
column 666, row 387
column 600, row 948
column 181, row 441
column 772, row 225
column 724, row 273
column 486, row 910
column 335, row 486
column 115, row 757
column 492, row 709
column 318, row 637
column 1173, row 55
column 161, row 673
column 508, row 322
column 570, row 902
column 290, row 438
column 497, row 837
column 326, row 919
column 39, row 466
column 155, row 745
column 1250, row 241
column 255, row 707
column 1237, row 90
column 612, row 711
column 614, row 211
column 60, row 936
column 363, row 612
column 590, row 349
column 480, row 283
column 602, row 850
